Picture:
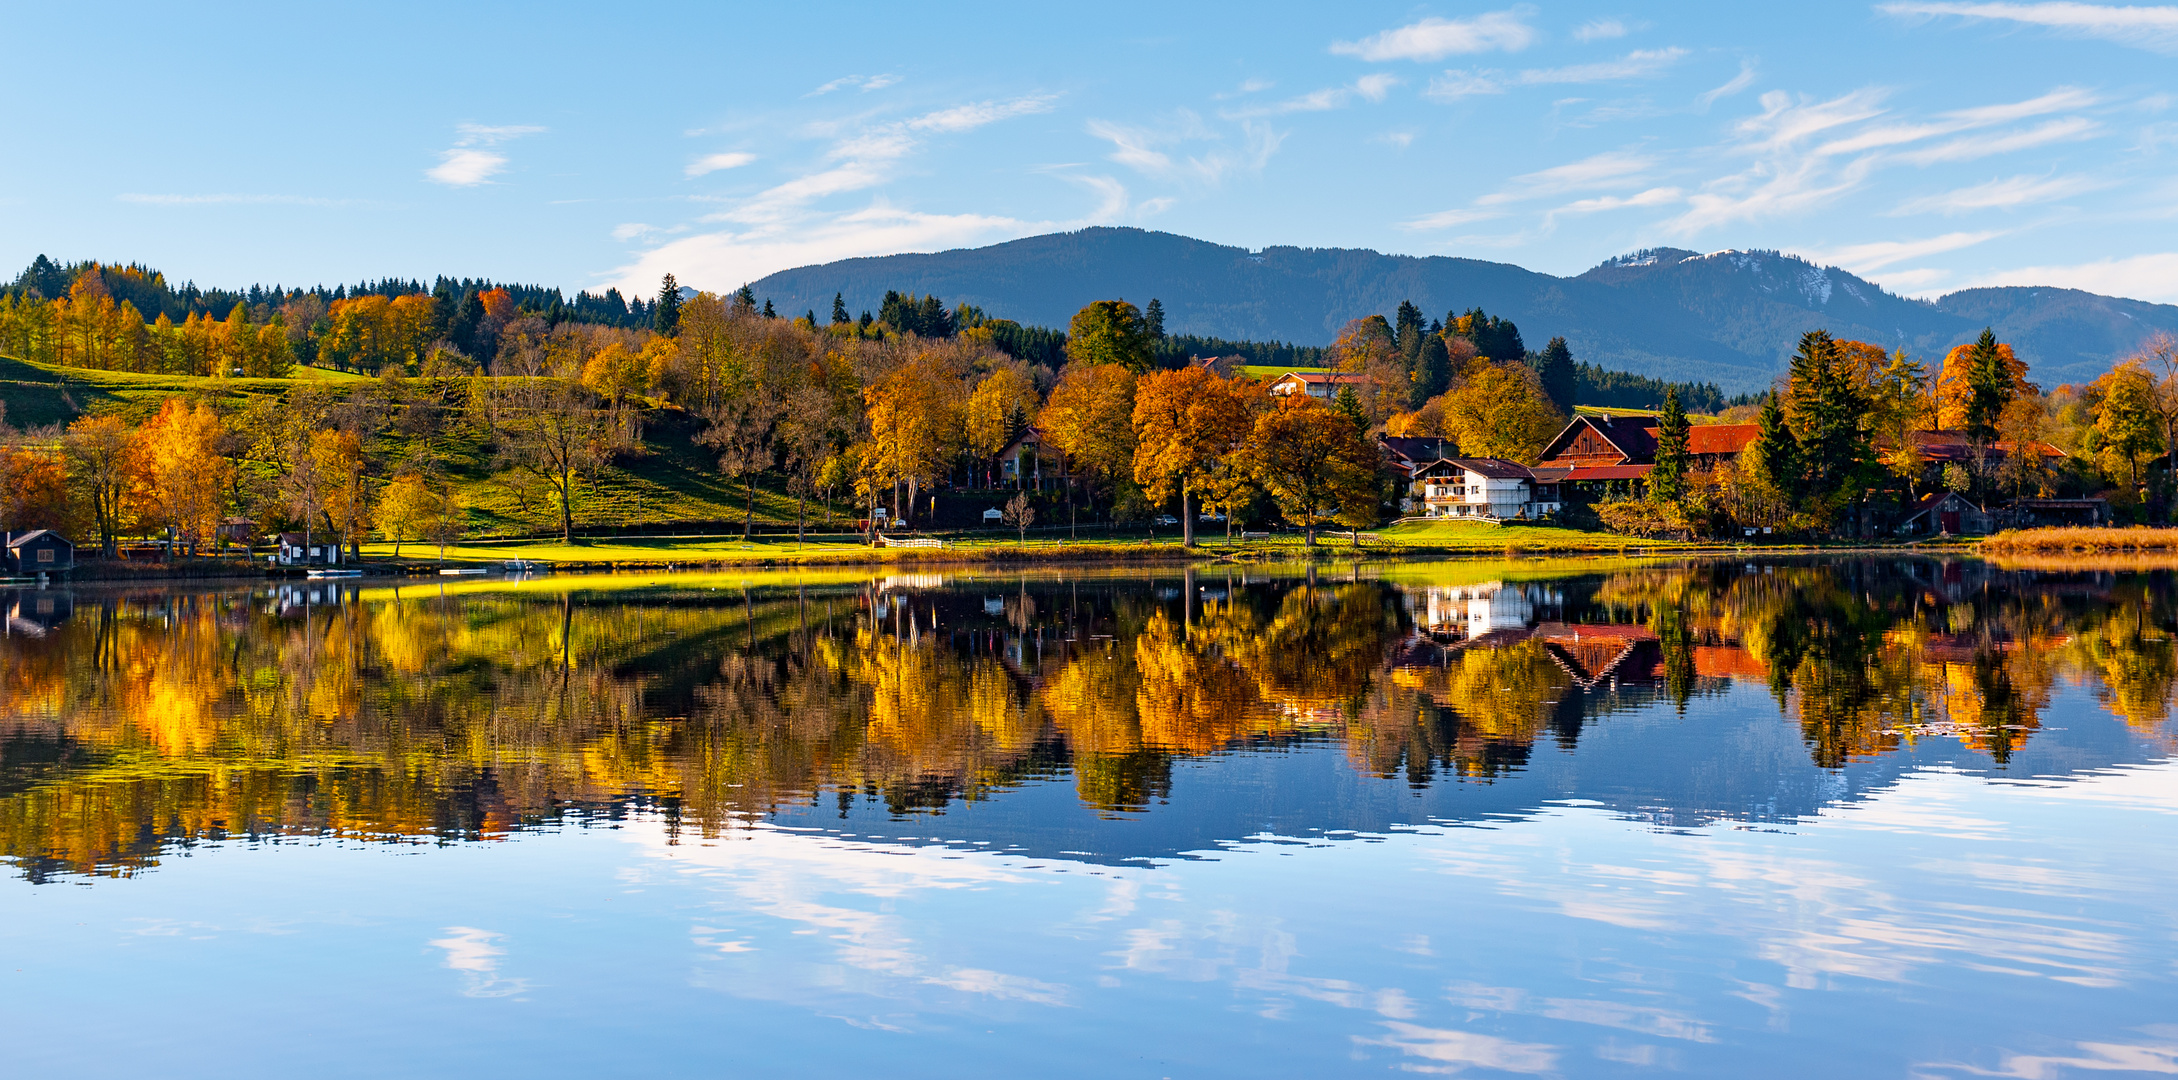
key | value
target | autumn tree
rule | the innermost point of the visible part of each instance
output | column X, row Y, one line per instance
column 33, row 489
column 343, row 486
column 2126, row 420
column 1956, row 383
column 100, row 469
column 407, row 509
column 1090, row 418
column 1499, row 410
column 548, row 424
column 1187, row 422
column 998, row 409
column 1312, row 460
column 1110, row 332
column 915, row 426
column 182, row 478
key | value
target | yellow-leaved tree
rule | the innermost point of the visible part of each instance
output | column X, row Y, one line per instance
column 181, row 477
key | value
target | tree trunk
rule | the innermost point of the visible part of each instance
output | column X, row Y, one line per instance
column 748, row 516
column 1187, row 519
column 567, row 508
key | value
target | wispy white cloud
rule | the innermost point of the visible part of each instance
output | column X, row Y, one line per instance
column 972, row 116
column 1656, row 196
column 2004, row 194
column 469, row 162
column 1600, row 29
column 1639, row 64
column 1246, row 87
column 1739, row 82
column 1373, row 87
column 1868, row 258
column 2151, row 28
column 711, row 163
column 864, row 83
column 2152, row 277
column 1446, row 219
column 1974, row 147
column 1140, row 148
column 1435, row 39
column 2063, row 99
column 1400, row 139
column 1611, row 169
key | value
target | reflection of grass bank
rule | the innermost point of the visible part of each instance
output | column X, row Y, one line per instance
column 2075, row 540
column 1478, row 536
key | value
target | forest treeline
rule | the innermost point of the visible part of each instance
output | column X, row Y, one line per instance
column 877, row 410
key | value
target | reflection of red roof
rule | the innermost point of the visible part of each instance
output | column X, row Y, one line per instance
column 1608, row 472
column 1729, row 662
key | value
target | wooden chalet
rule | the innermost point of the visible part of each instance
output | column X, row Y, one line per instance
column 1945, row 513
column 1321, row 385
column 39, row 551
column 1600, row 449
column 1029, row 462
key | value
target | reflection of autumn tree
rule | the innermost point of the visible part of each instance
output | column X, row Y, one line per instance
column 1476, row 714
column 1323, row 650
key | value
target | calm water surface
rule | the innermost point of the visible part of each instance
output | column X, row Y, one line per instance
column 1854, row 818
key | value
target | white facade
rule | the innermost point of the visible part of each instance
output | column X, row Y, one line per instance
column 1455, row 490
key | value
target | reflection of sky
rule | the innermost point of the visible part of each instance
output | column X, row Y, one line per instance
column 1947, row 925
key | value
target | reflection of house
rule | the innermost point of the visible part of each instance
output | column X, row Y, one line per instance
column 1485, row 488
column 1946, row 513
column 1321, row 385
column 34, row 613
column 39, row 551
column 1472, row 611
column 1605, row 448
column 1029, row 456
column 298, row 550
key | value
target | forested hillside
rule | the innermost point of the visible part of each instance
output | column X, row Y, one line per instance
column 1731, row 318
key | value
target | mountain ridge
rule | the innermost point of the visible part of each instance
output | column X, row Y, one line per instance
column 1729, row 317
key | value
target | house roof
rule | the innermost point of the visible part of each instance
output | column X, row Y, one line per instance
column 1607, row 472
column 1631, row 435
column 292, row 539
column 19, row 541
column 1546, row 475
column 1720, row 438
column 1322, row 378
column 1949, row 446
column 1420, row 450
column 1491, row 468
column 1934, row 499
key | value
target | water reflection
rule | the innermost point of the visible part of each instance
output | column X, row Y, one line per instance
column 134, row 722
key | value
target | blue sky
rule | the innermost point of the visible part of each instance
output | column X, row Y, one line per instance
column 1928, row 146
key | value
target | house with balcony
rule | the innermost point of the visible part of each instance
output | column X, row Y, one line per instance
column 1321, row 385
column 1485, row 489
column 1600, row 451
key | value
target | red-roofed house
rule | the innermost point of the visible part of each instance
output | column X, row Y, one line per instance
column 1321, row 385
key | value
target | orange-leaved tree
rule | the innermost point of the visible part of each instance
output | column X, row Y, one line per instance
column 181, row 476
column 1315, row 461
column 1188, row 424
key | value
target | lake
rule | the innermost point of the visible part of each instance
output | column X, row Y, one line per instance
column 1820, row 818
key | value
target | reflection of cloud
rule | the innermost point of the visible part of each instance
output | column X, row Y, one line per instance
column 1456, row 1051
column 2159, row 1059
column 472, row 952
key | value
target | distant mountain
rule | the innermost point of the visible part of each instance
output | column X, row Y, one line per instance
column 1731, row 317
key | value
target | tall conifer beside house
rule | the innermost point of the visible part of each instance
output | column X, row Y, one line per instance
column 665, row 315
column 1777, row 451
column 1825, row 409
column 1561, row 381
column 1667, row 481
column 1432, row 370
column 1989, row 382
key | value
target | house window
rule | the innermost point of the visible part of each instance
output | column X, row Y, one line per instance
column 314, row 553
column 45, row 554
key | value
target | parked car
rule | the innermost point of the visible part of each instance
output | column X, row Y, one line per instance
column 1167, row 519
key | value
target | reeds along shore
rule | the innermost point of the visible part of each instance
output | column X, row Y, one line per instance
column 2067, row 540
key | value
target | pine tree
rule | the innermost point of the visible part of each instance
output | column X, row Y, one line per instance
column 1153, row 317
column 1777, row 451
column 1407, row 332
column 839, row 310
column 1432, row 370
column 1989, row 381
column 745, row 299
column 1826, row 408
column 665, row 315
column 769, row 313
column 1348, row 405
column 1554, row 367
column 1667, row 481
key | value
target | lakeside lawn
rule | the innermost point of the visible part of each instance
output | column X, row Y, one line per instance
column 1398, row 541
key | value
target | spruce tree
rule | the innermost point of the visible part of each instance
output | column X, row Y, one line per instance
column 771, row 314
column 1153, row 317
column 839, row 310
column 1826, row 409
column 1554, row 368
column 665, row 315
column 1989, row 388
column 745, row 299
column 1667, row 481
column 1407, row 332
column 1432, row 370
column 1348, row 405
column 1777, row 460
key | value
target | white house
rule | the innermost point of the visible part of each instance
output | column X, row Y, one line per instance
column 318, row 552
column 1490, row 488
column 1321, row 385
